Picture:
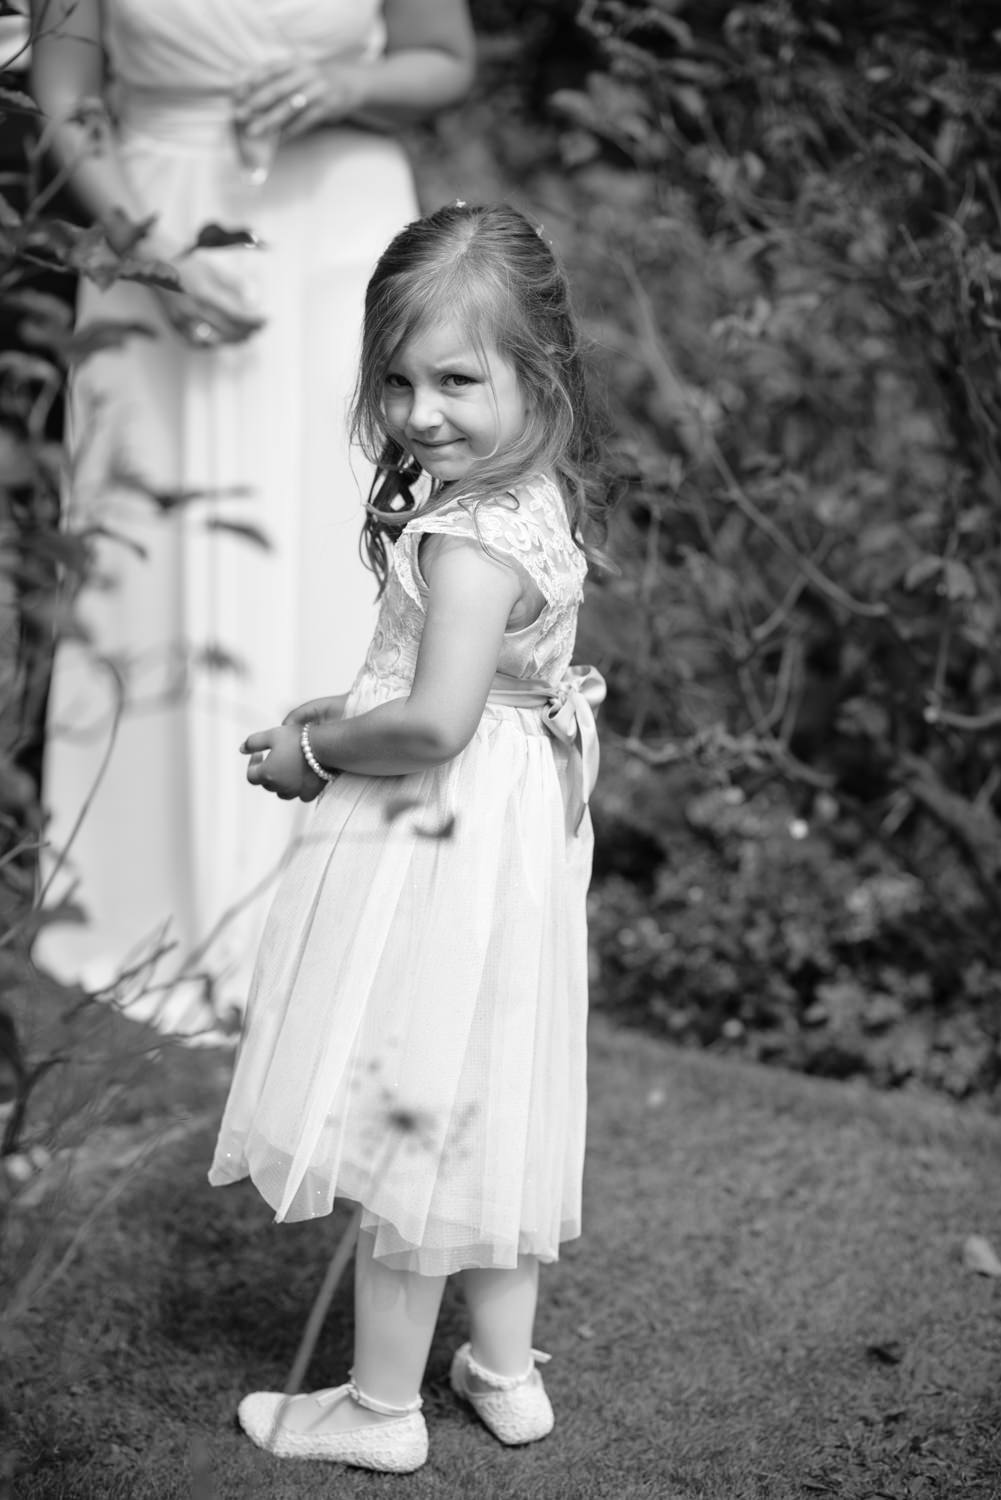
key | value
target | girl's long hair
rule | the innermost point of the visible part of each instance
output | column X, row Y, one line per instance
column 487, row 269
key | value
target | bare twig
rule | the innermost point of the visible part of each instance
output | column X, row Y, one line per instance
column 971, row 723
column 343, row 1251
column 709, row 745
column 40, row 1277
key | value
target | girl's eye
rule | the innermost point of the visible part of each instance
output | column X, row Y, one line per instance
column 456, row 379
column 395, row 382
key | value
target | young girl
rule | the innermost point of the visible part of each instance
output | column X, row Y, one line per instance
column 416, row 1032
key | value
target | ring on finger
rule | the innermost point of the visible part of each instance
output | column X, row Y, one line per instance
column 298, row 101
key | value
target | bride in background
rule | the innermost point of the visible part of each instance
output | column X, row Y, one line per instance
column 224, row 431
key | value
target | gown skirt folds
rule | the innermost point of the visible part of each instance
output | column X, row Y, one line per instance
column 228, row 584
column 415, row 1040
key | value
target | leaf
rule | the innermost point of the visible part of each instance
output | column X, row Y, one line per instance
column 926, row 567
column 104, row 333
column 863, row 717
column 14, row 102
column 44, row 306
column 958, row 582
column 979, row 1256
column 130, row 232
column 63, row 911
column 215, row 658
column 242, row 529
column 168, row 500
column 16, row 467
column 159, row 273
column 17, row 790
column 25, row 367
column 889, row 1352
column 217, row 237
column 398, row 807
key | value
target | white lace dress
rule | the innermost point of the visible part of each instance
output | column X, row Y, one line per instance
column 415, row 1040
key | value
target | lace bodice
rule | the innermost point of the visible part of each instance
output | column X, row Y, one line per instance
column 528, row 528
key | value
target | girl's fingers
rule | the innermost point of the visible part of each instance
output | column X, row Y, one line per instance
column 260, row 740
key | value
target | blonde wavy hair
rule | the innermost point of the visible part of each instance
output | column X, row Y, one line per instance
column 487, row 268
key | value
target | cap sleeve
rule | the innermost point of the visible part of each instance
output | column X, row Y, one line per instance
column 522, row 528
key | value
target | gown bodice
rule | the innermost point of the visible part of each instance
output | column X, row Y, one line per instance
column 528, row 529
column 207, row 46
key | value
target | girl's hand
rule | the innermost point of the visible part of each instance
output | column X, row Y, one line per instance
column 277, row 764
column 211, row 308
column 316, row 709
column 294, row 96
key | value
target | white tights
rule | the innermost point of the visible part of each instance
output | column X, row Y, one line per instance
column 395, row 1317
column 396, row 1313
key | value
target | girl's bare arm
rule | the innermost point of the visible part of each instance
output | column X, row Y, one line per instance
column 471, row 597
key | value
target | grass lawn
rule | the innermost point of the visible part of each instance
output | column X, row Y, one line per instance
column 769, row 1300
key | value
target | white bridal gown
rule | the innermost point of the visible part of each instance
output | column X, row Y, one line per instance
column 200, row 631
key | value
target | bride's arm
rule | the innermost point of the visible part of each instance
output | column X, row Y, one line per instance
column 68, row 80
column 428, row 64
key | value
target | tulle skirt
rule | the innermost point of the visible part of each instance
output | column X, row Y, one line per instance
column 415, row 1040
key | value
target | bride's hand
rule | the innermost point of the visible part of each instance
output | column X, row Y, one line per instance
column 211, row 306
column 294, row 96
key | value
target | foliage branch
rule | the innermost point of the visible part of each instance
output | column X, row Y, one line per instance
column 786, row 223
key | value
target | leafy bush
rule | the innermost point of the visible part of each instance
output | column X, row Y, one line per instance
column 795, row 943
column 784, row 223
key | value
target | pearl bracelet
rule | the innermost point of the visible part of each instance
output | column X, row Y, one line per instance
column 310, row 758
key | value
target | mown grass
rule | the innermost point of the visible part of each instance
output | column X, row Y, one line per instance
column 769, row 1301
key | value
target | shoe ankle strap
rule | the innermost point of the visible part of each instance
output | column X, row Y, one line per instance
column 371, row 1404
column 504, row 1382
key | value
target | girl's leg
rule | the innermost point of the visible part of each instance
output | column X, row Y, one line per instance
column 395, row 1317
column 496, row 1371
column 501, row 1317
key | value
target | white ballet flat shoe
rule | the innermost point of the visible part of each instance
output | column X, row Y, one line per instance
column 516, row 1408
column 395, row 1447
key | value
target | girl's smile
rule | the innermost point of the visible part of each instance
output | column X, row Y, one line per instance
column 450, row 402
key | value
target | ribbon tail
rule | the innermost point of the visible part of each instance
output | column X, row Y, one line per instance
column 586, row 762
column 569, row 718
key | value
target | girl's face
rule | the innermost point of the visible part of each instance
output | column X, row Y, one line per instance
column 450, row 403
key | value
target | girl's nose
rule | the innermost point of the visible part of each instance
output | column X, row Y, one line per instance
column 425, row 411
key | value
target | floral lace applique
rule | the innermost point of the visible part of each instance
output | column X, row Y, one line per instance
column 530, row 527
column 535, row 534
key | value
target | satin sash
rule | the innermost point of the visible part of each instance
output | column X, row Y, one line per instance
column 568, row 715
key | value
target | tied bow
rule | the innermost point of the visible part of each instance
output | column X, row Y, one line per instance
column 568, row 715
column 569, row 718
